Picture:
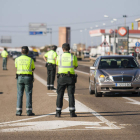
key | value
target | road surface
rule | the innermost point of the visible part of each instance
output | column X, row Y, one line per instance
column 114, row 117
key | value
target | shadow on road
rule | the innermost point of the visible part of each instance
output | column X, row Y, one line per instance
column 121, row 95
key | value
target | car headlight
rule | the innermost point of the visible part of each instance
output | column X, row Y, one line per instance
column 137, row 78
column 103, row 78
column 108, row 79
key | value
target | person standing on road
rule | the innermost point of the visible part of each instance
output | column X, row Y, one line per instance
column 4, row 55
column 25, row 67
column 50, row 58
column 66, row 79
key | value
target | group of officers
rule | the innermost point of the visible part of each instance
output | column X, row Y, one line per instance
column 66, row 78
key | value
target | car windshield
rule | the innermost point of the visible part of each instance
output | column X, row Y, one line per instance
column 113, row 63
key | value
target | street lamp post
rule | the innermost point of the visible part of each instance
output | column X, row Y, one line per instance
column 86, row 38
column 81, row 39
column 114, row 46
column 125, row 16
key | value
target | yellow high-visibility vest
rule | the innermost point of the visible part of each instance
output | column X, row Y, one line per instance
column 51, row 55
column 24, row 65
column 66, row 63
column 4, row 54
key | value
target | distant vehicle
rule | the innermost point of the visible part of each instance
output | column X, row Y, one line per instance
column 31, row 54
column 16, row 54
column 36, row 53
column 78, row 54
column 12, row 53
column 86, row 54
column 114, row 74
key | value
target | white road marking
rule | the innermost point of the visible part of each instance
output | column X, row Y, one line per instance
column 38, row 65
column 51, row 93
column 50, row 125
column 82, row 72
column 132, row 101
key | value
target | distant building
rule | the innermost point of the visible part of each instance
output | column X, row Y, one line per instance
column 81, row 46
column 64, row 35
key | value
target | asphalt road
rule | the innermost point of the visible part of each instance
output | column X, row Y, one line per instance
column 114, row 117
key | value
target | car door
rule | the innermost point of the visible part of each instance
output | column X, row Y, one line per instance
column 93, row 71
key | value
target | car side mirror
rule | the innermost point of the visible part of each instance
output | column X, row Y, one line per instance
column 92, row 68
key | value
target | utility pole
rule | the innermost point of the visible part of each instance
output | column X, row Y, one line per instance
column 114, row 49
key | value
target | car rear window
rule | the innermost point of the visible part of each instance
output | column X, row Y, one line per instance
column 111, row 63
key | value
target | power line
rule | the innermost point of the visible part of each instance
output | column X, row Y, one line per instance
column 95, row 21
column 71, row 30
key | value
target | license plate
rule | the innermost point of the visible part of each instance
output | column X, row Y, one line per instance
column 123, row 84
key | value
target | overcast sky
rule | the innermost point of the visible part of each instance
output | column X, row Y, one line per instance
column 15, row 16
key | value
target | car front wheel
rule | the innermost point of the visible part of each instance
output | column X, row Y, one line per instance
column 97, row 94
column 90, row 90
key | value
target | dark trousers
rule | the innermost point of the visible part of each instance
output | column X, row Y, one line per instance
column 4, row 63
column 62, row 84
column 51, row 71
column 24, row 83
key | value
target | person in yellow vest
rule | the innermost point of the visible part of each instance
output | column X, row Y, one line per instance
column 50, row 58
column 4, row 55
column 66, row 79
column 25, row 67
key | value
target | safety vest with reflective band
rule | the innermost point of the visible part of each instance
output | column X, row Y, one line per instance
column 66, row 63
column 51, row 55
column 24, row 65
column 4, row 54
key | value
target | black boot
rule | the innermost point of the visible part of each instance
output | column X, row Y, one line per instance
column 52, row 88
column 58, row 114
column 72, row 114
column 48, row 88
column 30, row 114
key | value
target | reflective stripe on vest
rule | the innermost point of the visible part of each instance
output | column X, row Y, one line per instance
column 30, row 70
column 51, row 58
column 66, row 66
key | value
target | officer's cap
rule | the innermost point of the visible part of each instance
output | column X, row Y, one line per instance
column 66, row 46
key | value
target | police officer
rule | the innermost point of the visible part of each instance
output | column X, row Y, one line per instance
column 66, row 79
column 50, row 58
column 25, row 67
column 4, row 55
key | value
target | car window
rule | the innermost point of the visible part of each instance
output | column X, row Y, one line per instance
column 112, row 63
column 96, row 62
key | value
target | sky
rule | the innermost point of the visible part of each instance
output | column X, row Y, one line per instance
column 15, row 16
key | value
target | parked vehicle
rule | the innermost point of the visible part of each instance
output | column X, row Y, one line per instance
column 86, row 54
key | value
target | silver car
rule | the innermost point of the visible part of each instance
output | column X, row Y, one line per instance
column 114, row 74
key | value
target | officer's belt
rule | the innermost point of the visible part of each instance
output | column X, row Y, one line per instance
column 50, row 64
column 25, row 75
column 63, row 75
